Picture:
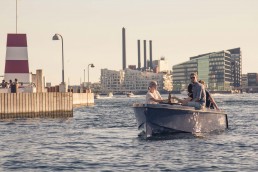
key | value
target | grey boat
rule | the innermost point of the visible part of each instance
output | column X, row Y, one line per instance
column 165, row 118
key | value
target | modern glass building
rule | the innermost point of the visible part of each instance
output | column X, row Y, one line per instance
column 236, row 66
column 252, row 79
column 215, row 69
column 220, row 71
column 181, row 74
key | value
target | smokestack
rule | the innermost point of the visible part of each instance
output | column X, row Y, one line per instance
column 139, row 54
column 144, row 51
column 150, row 54
column 124, row 50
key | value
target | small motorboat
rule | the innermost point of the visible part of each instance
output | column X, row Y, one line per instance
column 96, row 96
column 110, row 94
column 175, row 118
column 130, row 94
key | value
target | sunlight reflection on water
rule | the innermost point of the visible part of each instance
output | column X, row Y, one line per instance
column 105, row 137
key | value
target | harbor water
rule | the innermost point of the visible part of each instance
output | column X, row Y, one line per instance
column 105, row 138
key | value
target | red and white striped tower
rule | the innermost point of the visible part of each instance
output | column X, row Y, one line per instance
column 16, row 61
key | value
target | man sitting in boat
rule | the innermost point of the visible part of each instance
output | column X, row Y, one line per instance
column 153, row 96
column 199, row 95
column 210, row 102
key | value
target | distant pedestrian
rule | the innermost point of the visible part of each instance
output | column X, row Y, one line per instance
column 6, row 84
column 12, row 86
column 10, row 83
column 3, row 84
column 16, row 85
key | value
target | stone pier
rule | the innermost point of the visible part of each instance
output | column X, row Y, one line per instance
column 49, row 104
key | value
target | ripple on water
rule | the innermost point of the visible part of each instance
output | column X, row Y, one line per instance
column 105, row 138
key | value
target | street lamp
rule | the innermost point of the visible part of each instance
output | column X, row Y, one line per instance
column 84, row 76
column 57, row 37
column 90, row 65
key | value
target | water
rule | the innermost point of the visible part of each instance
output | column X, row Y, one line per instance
column 105, row 138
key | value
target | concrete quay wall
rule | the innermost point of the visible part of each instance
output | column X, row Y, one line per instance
column 33, row 105
column 83, row 99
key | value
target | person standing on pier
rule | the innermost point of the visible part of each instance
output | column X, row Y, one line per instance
column 3, row 84
column 14, row 86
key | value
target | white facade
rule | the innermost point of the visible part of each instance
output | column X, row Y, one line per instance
column 111, row 80
column 161, row 65
column 133, row 80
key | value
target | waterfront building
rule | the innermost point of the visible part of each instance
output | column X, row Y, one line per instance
column 111, row 80
column 161, row 65
column 181, row 74
column 244, row 81
column 250, row 83
column 252, row 79
column 236, row 66
column 135, row 81
column 220, row 78
column 96, row 87
column 221, row 70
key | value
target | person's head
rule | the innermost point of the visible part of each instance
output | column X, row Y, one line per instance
column 202, row 82
column 10, row 81
column 152, row 86
column 15, row 79
column 193, row 77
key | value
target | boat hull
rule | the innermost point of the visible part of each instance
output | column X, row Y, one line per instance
column 153, row 119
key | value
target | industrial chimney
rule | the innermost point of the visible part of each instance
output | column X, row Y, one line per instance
column 144, row 55
column 139, row 55
column 123, row 48
column 151, row 67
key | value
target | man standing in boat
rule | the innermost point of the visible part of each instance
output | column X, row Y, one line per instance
column 153, row 96
column 199, row 95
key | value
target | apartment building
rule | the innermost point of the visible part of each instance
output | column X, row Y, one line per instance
column 135, row 81
column 220, row 70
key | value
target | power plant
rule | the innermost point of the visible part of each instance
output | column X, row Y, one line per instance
column 145, row 65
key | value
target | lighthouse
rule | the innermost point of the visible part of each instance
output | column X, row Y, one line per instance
column 16, row 60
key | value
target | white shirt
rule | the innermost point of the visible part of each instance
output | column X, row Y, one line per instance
column 154, row 95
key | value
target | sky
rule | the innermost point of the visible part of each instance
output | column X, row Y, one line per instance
column 92, row 32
